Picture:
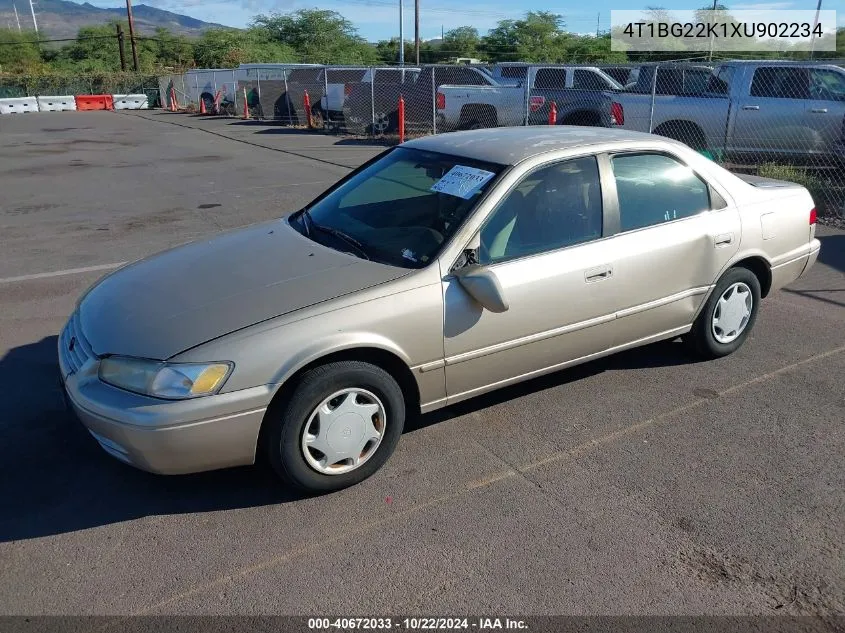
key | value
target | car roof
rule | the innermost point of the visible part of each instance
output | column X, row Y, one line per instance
column 512, row 145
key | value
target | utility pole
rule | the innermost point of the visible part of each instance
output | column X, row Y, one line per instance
column 712, row 19
column 417, row 31
column 815, row 23
column 132, row 35
column 401, row 34
column 17, row 17
column 34, row 21
column 598, row 22
column 120, row 47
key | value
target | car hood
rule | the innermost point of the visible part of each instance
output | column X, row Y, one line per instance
column 173, row 301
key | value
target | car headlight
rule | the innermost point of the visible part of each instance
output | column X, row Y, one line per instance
column 159, row 379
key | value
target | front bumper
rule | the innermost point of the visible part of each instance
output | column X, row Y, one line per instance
column 161, row 436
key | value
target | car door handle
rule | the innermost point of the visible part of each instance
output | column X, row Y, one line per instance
column 724, row 239
column 598, row 273
column 750, row 107
column 818, row 110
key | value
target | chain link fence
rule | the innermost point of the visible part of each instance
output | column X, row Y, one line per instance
column 81, row 84
column 771, row 118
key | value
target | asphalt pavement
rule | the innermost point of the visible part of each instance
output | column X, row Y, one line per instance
column 644, row 483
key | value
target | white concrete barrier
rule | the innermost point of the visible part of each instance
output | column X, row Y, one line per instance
column 56, row 104
column 131, row 102
column 18, row 104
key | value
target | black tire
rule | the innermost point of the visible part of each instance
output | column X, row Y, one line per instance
column 209, row 102
column 588, row 119
column 471, row 125
column 287, row 420
column 701, row 339
column 386, row 123
column 687, row 133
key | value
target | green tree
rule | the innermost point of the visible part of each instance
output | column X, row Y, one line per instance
column 536, row 38
column 95, row 49
column 169, row 49
column 227, row 48
column 318, row 36
column 18, row 52
column 463, row 41
column 388, row 51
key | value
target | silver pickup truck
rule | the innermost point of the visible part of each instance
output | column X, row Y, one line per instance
column 581, row 96
column 748, row 111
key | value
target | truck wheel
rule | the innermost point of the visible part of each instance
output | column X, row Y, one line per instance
column 591, row 119
column 471, row 125
column 339, row 425
column 385, row 123
column 684, row 131
column 726, row 319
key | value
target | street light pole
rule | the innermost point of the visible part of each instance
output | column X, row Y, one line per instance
column 813, row 36
column 401, row 35
column 34, row 21
column 712, row 18
column 417, row 31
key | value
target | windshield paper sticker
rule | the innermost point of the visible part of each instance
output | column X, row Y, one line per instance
column 462, row 181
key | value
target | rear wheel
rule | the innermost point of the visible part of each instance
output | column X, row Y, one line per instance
column 728, row 316
column 385, row 122
column 685, row 132
column 339, row 426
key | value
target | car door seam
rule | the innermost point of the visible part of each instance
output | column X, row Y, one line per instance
column 567, row 329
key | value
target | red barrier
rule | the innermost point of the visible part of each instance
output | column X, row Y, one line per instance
column 94, row 102
column 246, row 105
column 553, row 114
column 401, row 119
column 306, row 103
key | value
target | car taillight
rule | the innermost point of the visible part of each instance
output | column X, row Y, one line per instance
column 536, row 103
column 813, row 216
column 441, row 101
column 347, row 89
column 617, row 113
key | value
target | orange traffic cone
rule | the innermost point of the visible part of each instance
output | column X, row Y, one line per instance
column 202, row 106
column 246, row 106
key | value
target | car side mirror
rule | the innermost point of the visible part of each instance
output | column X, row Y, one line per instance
column 483, row 285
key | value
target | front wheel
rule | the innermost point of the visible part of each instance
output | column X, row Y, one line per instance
column 339, row 426
column 728, row 316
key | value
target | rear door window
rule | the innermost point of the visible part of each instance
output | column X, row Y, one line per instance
column 655, row 188
column 588, row 80
column 550, row 79
column 781, row 82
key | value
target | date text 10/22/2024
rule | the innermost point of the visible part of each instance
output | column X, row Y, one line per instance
column 415, row 624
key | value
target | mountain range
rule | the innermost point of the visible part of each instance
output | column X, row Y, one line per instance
column 62, row 18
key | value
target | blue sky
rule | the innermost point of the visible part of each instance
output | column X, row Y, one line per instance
column 379, row 19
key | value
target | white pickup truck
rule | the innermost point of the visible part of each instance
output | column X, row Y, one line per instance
column 580, row 95
column 746, row 111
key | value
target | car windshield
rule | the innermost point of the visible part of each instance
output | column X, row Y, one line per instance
column 400, row 209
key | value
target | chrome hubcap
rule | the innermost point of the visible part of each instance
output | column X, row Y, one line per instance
column 344, row 431
column 732, row 312
column 381, row 122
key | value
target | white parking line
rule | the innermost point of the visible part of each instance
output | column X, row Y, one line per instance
column 60, row 273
